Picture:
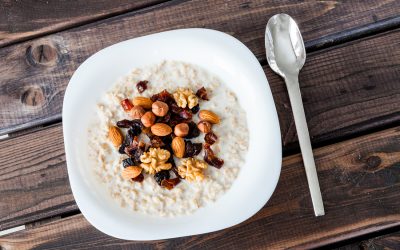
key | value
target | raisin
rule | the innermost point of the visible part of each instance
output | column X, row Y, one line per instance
column 195, row 109
column 192, row 149
column 160, row 176
column 210, row 138
column 185, row 115
column 121, row 148
column 128, row 162
column 141, row 86
column 164, row 119
column 202, row 93
column 156, row 142
column 138, row 178
column 135, row 129
column 170, row 183
column 210, row 157
column 126, row 104
column 129, row 123
column 193, row 130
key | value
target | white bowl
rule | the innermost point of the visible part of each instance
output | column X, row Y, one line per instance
column 214, row 51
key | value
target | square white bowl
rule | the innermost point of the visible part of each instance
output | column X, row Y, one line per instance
column 214, row 51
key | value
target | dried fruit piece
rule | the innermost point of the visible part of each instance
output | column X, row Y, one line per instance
column 210, row 138
column 210, row 157
column 202, row 93
column 127, row 162
column 137, row 112
column 209, row 116
column 178, row 146
column 159, row 108
column 128, row 123
column 181, row 129
column 148, row 119
column 163, row 96
column 185, row 115
column 138, row 178
column 131, row 172
column 121, row 148
column 115, row 136
column 141, row 86
column 161, row 129
column 126, row 105
column 204, row 126
column 192, row 149
column 156, row 141
column 193, row 131
column 160, row 176
column 170, row 183
column 143, row 102
column 195, row 109
column 164, row 119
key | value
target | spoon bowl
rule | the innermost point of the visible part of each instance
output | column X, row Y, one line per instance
column 284, row 45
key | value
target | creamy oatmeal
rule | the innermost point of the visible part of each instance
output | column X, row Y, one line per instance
column 195, row 190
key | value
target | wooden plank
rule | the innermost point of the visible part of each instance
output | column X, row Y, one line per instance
column 360, row 183
column 33, row 178
column 35, row 73
column 388, row 241
column 29, row 18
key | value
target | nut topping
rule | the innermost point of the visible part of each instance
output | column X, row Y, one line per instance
column 181, row 130
column 159, row 108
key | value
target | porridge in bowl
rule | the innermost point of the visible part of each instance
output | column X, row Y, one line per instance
column 168, row 139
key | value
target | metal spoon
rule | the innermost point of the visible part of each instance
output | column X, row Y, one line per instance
column 286, row 56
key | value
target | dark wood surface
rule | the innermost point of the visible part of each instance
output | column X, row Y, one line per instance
column 35, row 73
column 21, row 20
column 360, row 182
column 350, row 86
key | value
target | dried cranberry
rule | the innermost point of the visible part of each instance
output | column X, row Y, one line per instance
column 141, row 86
column 170, row 183
column 163, row 96
column 202, row 93
column 195, row 109
column 126, row 104
column 175, row 108
column 160, row 176
column 210, row 157
column 193, row 131
column 138, row 178
column 128, row 162
column 210, row 138
column 186, row 115
column 192, row 149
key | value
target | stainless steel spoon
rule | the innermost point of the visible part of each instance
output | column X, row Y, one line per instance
column 286, row 56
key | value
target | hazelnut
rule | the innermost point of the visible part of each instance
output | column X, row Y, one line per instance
column 137, row 112
column 181, row 130
column 204, row 127
column 159, row 108
column 148, row 119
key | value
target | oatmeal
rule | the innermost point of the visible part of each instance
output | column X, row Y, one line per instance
column 204, row 152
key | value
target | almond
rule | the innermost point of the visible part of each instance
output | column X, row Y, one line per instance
column 178, row 146
column 143, row 102
column 209, row 116
column 131, row 172
column 161, row 129
column 115, row 136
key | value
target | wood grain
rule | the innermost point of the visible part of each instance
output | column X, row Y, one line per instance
column 360, row 183
column 21, row 20
column 387, row 242
column 33, row 178
column 35, row 73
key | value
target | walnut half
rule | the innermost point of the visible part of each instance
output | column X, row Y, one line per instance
column 155, row 160
column 192, row 169
column 185, row 97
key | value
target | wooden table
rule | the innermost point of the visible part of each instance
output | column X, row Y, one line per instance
column 351, row 92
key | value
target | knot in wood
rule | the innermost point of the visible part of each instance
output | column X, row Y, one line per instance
column 33, row 96
column 43, row 54
column 373, row 162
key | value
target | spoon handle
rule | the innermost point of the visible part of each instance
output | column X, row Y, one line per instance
column 292, row 83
